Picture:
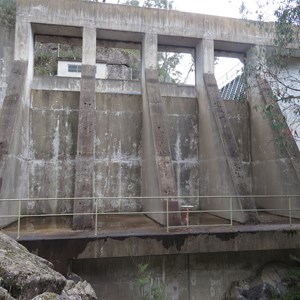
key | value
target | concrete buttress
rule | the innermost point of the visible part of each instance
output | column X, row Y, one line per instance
column 158, row 178
column 84, row 180
column 237, row 172
column 85, row 151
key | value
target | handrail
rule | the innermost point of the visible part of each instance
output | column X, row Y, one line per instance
column 288, row 210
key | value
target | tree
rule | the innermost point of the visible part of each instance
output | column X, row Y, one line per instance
column 7, row 12
column 165, row 4
column 278, row 64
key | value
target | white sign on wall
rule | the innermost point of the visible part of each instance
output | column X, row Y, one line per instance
column 73, row 69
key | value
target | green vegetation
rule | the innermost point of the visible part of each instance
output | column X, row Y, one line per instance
column 7, row 12
column 276, row 66
column 145, row 280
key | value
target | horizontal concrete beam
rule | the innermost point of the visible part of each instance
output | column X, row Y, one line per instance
column 176, row 28
column 110, row 86
column 62, row 249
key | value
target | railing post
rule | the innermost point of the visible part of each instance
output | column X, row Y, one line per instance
column 96, row 217
column 19, row 219
column 290, row 211
column 167, row 214
column 231, row 217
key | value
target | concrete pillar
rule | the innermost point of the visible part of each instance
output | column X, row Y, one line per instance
column 149, row 55
column 23, row 41
column 158, row 178
column 84, row 181
column 89, row 46
column 205, row 58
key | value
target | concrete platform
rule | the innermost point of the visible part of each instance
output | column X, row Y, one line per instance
column 123, row 225
column 137, row 235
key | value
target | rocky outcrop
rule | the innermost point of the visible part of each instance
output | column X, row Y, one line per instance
column 26, row 276
column 270, row 281
column 81, row 290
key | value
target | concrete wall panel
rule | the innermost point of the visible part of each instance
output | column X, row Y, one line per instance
column 182, row 125
column 178, row 277
column 117, row 179
column 51, row 179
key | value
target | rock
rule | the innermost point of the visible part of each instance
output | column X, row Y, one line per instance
column 4, row 295
column 48, row 296
column 81, row 290
column 270, row 281
column 26, row 275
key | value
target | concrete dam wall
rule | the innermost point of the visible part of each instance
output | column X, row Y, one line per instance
column 67, row 144
column 118, row 148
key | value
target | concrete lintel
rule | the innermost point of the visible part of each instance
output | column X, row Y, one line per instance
column 46, row 38
column 176, row 49
column 240, row 56
column 118, row 44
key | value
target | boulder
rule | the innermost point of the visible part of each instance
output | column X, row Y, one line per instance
column 26, row 275
column 81, row 290
column 270, row 281
column 4, row 295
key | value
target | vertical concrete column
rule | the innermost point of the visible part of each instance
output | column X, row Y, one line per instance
column 84, row 180
column 158, row 178
column 89, row 46
column 22, row 41
column 205, row 58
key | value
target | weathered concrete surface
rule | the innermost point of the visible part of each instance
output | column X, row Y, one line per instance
column 118, row 19
column 110, row 86
column 179, row 277
column 215, row 177
column 52, row 148
column 84, row 179
column 182, row 127
column 158, row 172
column 158, row 178
column 239, row 176
column 133, row 244
column 118, row 150
column 6, row 58
column 12, row 135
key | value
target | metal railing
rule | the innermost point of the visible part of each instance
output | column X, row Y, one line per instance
column 288, row 210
